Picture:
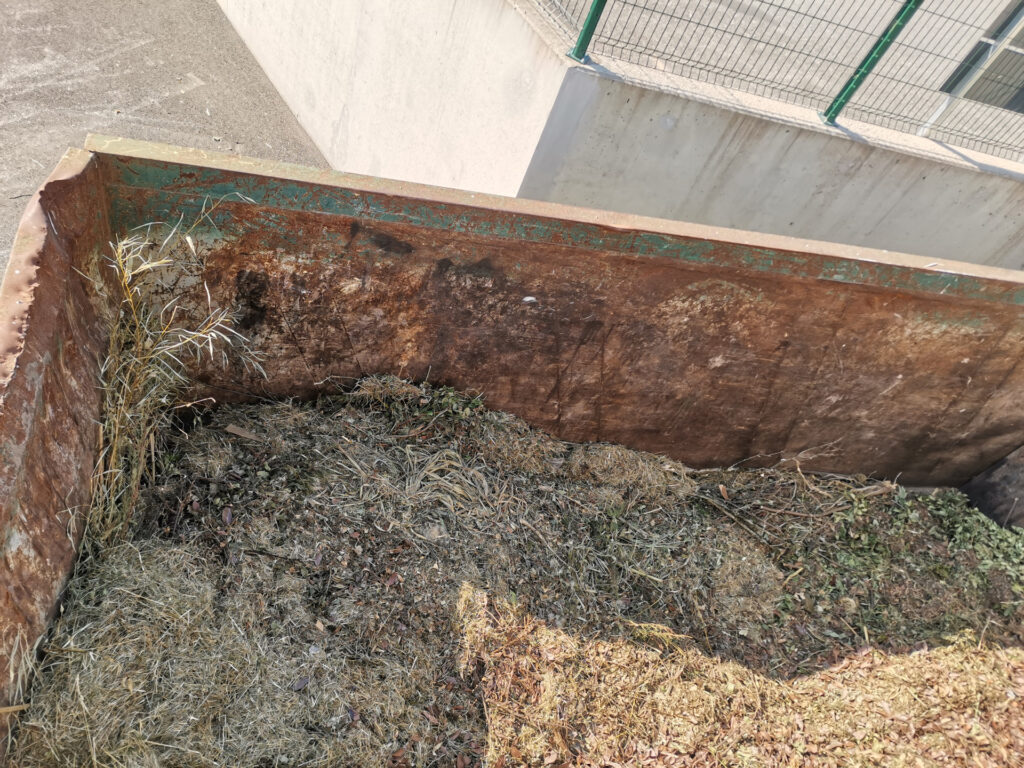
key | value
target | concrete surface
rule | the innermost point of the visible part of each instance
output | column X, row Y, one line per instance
column 165, row 70
column 626, row 147
column 448, row 92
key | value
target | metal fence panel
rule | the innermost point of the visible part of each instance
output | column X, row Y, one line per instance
column 803, row 51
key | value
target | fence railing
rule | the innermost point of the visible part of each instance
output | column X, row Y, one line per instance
column 952, row 70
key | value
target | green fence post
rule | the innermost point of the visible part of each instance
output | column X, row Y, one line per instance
column 579, row 52
column 877, row 51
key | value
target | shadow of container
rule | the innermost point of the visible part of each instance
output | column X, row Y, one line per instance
column 999, row 490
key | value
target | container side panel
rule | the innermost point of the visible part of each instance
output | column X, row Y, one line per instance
column 794, row 258
column 49, row 402
column 708, row 351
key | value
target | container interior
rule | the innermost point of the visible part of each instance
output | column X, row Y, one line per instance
column 710, row 346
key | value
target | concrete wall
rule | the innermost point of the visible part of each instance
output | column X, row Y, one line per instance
column 478, row 95
column 615, row 145
column 807, row 49
column 447, row 92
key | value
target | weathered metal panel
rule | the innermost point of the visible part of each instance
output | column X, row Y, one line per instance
column 51, row 342
column 711, row 346
column 533, row 222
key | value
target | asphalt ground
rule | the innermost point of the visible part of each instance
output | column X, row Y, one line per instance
column 163, row 70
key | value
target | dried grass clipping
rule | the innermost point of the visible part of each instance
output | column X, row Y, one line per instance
column 398, row 576
column 553, row 698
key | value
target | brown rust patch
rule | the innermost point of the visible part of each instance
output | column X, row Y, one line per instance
column 708, row 364
column 49, row 405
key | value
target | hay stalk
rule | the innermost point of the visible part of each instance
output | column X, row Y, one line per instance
column 144, row 374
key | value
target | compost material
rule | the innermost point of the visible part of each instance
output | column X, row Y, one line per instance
column 397, row 576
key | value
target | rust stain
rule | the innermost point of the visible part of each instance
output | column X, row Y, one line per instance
column 709, row 364
column 49, row 403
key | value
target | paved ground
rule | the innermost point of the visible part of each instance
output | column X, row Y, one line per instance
column 165, row 70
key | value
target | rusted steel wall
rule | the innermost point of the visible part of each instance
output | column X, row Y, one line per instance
column 712, row 346
column 51, row 344
column 999, row 490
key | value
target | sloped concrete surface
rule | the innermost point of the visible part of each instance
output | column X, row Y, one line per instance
column 164, row 70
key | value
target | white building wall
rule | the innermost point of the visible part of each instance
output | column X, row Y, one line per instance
column 446, row 92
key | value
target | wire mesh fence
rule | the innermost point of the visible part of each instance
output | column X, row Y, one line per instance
column 954, row 73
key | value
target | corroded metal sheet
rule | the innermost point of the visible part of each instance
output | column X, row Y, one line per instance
column 708, row 364
column 710, row 346
column 51, row 343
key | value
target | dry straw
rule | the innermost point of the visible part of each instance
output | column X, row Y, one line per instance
column 144, row 374
column 397, row 576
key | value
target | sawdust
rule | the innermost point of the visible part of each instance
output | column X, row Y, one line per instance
column 554, row 698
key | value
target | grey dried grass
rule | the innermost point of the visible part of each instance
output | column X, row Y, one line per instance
column 293, row 601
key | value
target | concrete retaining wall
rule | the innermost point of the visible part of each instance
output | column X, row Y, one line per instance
column 450, row 92
column 616, row 145
column 478, row 95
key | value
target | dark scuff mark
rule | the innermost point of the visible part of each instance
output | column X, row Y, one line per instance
column 391, row 244
column 250, row 291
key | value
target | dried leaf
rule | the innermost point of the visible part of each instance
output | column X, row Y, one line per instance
column 233, row 429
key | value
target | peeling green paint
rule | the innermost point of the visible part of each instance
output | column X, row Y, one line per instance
column 183, row 188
